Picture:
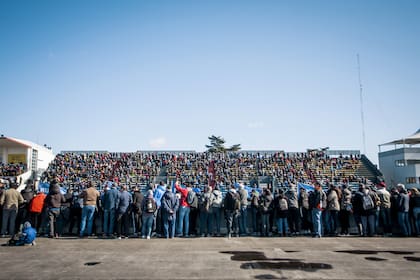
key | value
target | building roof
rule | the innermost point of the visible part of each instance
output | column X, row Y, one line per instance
column 14, row 142
column 410, row 140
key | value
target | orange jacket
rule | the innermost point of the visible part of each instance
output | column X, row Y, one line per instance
column 37, row 203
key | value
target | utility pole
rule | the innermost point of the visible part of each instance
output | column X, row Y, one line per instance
column 362, row 114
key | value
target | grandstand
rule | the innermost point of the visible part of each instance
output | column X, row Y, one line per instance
column 275, row 168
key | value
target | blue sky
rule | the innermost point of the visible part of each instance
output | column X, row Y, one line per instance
column 142, row 75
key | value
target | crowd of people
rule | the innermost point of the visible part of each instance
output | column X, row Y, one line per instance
column 204, row 168
column 12, row 169
column 113, row 195
column 178, row 210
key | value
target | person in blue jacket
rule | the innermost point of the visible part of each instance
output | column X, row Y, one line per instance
column 27, row 237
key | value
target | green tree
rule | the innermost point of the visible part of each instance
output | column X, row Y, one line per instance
column 217, row 145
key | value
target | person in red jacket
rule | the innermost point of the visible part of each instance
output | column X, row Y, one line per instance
column 35, row 209
column 184, row 210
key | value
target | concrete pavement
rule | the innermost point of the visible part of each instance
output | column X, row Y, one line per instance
column 214, row 258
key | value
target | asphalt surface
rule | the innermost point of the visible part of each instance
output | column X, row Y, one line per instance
column 214, row 258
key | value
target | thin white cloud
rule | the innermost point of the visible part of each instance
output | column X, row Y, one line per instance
column 256, row 124
column 157, row 143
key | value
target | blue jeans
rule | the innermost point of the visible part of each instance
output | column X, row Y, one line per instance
column 243, row 220
column 404, row 223
column 87, row 216
column 184, row 220
column 316, row 219
column 416, row 214
column 332, row 221
column 282, row 226
column 147, row 224
column 169, row 222
column 109, row 220
column 368, row 225
column 216, row 219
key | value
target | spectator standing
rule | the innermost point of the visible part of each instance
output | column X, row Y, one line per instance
column 35, row 209
column 294, row 215
column 415, row 206
column 265, row 207
column 110, row 203
column 384, row 208
column 304, row 210
column 255, row 197
column 216, row 212
column 125, row 201
column 53, row 202
column 184, row 210
column 10, row 200
column 205, row 202
column 333, row 207
column 318, row 201
column 403, row 209
column 281, row 208
column 90, row 197
column 138, row 199
column 345, row 209
column 243, row 217
column 170, row 205
column 149, row 208
column 231, row 205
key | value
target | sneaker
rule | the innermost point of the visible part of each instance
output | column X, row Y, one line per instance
column 144, row 236
column 148, row 237
column 33, row 243
column 119, row 237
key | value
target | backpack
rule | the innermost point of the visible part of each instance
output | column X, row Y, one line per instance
column 368, row 203
column 190, row 197
column 283, row 204
column 150, row 206
column 237, row 201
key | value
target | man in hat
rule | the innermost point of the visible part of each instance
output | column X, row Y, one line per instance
column 403, row 208
column 170, row 204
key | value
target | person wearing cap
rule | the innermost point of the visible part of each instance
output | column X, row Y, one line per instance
column 403, row 209
column 345, row 209
column 318, row 202
column 125, row 200
column 384, row 208
column 11, row 199
column 138, row 198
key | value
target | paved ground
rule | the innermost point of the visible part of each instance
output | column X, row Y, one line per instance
column 214, row 258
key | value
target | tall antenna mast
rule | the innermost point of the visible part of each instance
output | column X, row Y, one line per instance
column 362, row 114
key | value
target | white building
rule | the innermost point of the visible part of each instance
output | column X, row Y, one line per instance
column 34, row 157
column 401, row 164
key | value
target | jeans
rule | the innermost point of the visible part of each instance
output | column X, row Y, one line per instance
column 109, row 220
column 316, row 219
column 368, row 225
column 231, row 217
column 205, row 222
column 282, row 226
column 294, row 220
column 53, row 215
column 123, row 224
column 216, row 219
column 332, row 221
column 265, row 219
column 147, row 224
column 169, row 221
column 416, row 214
column 184, row 220
column 404, row 223
column 87, row 217
column 385, row 219
column 254, row 213
column 9, row 217
column 243, row 220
